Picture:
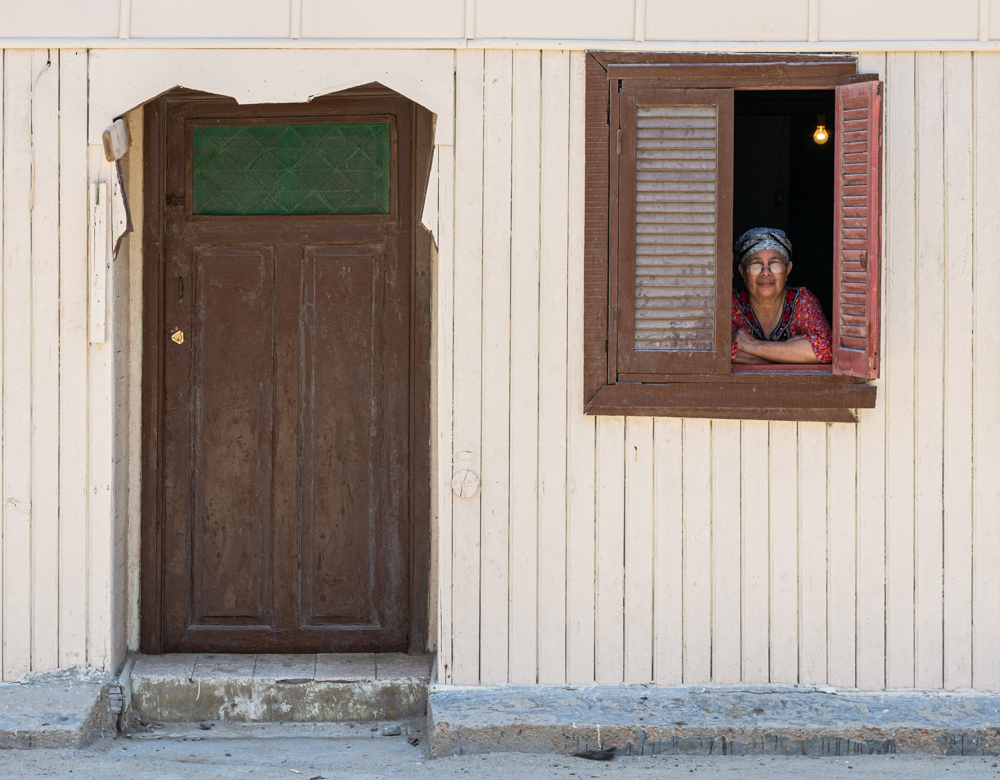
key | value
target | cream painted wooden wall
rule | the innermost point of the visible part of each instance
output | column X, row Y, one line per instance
column 62, row 455
column 691, row 551
column 606, row 550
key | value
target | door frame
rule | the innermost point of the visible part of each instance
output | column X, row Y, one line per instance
column 154, row 335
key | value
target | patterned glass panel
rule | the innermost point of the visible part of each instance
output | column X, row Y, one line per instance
column 330, row 168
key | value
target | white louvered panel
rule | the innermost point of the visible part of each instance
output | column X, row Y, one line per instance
column 675, row 223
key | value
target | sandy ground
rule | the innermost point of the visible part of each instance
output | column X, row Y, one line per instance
column 386, row 758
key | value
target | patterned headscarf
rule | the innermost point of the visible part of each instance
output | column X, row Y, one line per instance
column 760, row 238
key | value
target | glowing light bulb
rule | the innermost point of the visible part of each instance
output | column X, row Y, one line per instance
column 821, row 136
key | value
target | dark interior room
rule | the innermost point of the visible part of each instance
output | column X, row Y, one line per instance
column 783, row 178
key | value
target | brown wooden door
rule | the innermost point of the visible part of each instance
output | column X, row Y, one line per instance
column 286, row 495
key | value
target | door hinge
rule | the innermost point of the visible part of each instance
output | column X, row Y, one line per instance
column 619, row 141
column 619, row 85
column 605, row 346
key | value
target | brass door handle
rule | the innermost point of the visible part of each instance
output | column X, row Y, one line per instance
column 177, row 336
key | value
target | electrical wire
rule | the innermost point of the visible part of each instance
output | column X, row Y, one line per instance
column 31, row 135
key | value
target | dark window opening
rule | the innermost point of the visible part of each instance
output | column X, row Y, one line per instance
column 783, row 179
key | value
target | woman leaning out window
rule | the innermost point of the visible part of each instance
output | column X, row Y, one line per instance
column 774, row 323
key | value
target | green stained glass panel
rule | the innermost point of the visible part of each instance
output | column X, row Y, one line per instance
column 330, row 168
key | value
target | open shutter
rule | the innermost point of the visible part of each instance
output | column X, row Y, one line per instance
column 857, row 230
column 674, row 243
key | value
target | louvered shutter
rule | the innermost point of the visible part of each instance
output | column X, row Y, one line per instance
column 675, row 231
column 857, row 230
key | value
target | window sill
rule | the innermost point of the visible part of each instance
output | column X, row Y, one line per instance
column 792, row 395
column 786, row 369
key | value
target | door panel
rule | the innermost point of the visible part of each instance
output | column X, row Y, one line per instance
column 285, row 504
column 231, row 344
column 343, row 456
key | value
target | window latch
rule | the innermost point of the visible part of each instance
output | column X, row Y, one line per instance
column 864, row 261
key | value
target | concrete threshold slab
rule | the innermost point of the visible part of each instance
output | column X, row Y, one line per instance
column 710, row 720
column 220, row 730
column 279, row 688
column 57, row 709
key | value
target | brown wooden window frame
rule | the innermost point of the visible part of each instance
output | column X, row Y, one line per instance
column 779, row 392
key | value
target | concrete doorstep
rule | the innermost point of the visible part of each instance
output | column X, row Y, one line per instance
column 638, row 720
column 58, row 709
column 279, row 688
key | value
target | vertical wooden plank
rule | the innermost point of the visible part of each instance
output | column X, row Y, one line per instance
column 986, row 377
column 958, row 368
column 552, row 360
column 581, row 429
column 871, row 498
column 16, row 369
column 696, row 487
column 134, row 170
column 45, row 367
column 812, row 456
column 726, row 552
column 638, row 549
column 929, row 400
column 101, row 455
column 73, row 283
column 496, row 368
column 754, row 489
column 841, row 555
column 524, row 368
column 467, row 399
column 668, row 564
column 444, row 324
column 871, row 547
column 3, row 555
column 609, row 647
column 899, row 365
column 783, row 545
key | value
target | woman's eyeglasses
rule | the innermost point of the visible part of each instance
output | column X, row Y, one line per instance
column 756, row 269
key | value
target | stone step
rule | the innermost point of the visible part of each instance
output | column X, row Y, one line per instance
column 64, row 708
column 190, row 687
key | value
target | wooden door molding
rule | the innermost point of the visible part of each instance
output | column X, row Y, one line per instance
column 155, row 336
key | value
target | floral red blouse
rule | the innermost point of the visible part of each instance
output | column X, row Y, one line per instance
column 802, row 316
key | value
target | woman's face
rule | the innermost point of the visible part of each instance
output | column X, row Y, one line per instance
column 766, row 284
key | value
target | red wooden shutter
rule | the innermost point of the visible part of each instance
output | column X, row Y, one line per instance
column 857, row 231
column 674, row 231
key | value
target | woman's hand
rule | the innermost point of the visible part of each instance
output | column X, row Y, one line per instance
column 745, row 342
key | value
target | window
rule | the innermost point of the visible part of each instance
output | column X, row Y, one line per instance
column 661, row 140
column 298, row 168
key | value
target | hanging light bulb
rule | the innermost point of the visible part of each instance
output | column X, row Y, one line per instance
column 821, row 136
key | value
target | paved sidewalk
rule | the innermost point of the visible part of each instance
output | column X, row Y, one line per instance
column 707, row 720
column 388, row 758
